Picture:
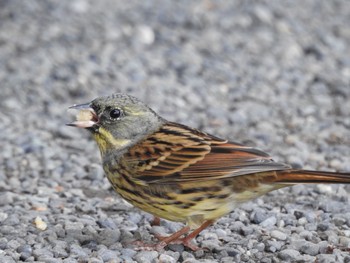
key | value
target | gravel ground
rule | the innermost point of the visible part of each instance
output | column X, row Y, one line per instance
column 271, row 74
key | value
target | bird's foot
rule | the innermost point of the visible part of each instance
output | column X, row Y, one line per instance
column 175, row 238
column 180, row 241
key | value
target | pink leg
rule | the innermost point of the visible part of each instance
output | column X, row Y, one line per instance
column 164, row 241
column 186, row 241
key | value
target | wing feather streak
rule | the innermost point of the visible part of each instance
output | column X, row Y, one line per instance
column 178, row 153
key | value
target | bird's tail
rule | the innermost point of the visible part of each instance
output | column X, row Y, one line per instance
column 310, row 177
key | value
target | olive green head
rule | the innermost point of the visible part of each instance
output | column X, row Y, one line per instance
column 117, row 121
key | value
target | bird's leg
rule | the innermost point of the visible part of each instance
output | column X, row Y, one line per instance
column 172, row 239
column 164, row 241
column 186, row 241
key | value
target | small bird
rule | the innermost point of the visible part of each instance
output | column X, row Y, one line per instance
column 179, row 173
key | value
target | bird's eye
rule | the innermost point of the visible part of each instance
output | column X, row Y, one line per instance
column 115, row 113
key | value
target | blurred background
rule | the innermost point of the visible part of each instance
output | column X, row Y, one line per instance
column 271, row 74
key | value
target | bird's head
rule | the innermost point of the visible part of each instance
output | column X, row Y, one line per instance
column 117, row 121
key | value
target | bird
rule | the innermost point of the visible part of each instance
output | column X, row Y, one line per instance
column 179, row 173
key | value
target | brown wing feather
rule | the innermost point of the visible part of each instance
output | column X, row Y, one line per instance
column 178, row 153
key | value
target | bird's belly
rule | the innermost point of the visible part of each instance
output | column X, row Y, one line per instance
column 211, row 208
column 190, row 205
column 216, row 207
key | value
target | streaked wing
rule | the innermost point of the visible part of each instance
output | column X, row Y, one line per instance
column 178, row 153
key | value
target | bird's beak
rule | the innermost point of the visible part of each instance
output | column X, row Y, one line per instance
column 86, row 117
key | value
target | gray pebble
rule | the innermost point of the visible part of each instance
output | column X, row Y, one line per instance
column 73, row 228
column 77, row 251
column 326, row 258
column 6, row 198
column 107, row 223
column 109, row 237
column 258, row 216
column 219, row 232
column 8, row 259
column 187, row 255
column 344, row 241
column 269, row 222
column 310, row 248
column 95, row 260
column 107, row 255
column 42, row 253
column 260, row 247
column 146, row 256
column 339, row 221
column 289, row 255
column 273, row 246
column 128, row 252
column 25, row 251
column 3, row 216
column 11, row 220
column 278, row 235
column 247, row 230
column 167, row 259
column 236, row 226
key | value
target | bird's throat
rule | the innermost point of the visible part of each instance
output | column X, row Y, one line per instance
column 106, row 142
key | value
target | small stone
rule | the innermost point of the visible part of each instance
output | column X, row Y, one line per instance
column 173, row 254
column 232, row 252
column 302, row 221
column 246, row 230
column 6, row 198
column 107, row 223
column 322, row 226
column 210, row 244
column 187, row 255
column 273, row 246
column 43, row 253
column 298, row 214
column 339, row 221
column 306, row 234
column 269, row 222
column 210, row 235
column 166, row 259
column 77, row 251
column 324, row 188
column 278, row 235
column 290, row 255
column 13, row 244
column 236, row 226
column 258, row 216
column 107, row 255
column 3, row 216
column 73, row 228
column 344, row 241
column 25, row 251
column 326, row 258
column 39, row 223
column 127, row 252
column 96, row 260
column 323, row 245
column 109, row 236
column 145, row 35
column 12, row 220
column 260, row 247
column 310, row 248
column 146, row 256
column 219, row 232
